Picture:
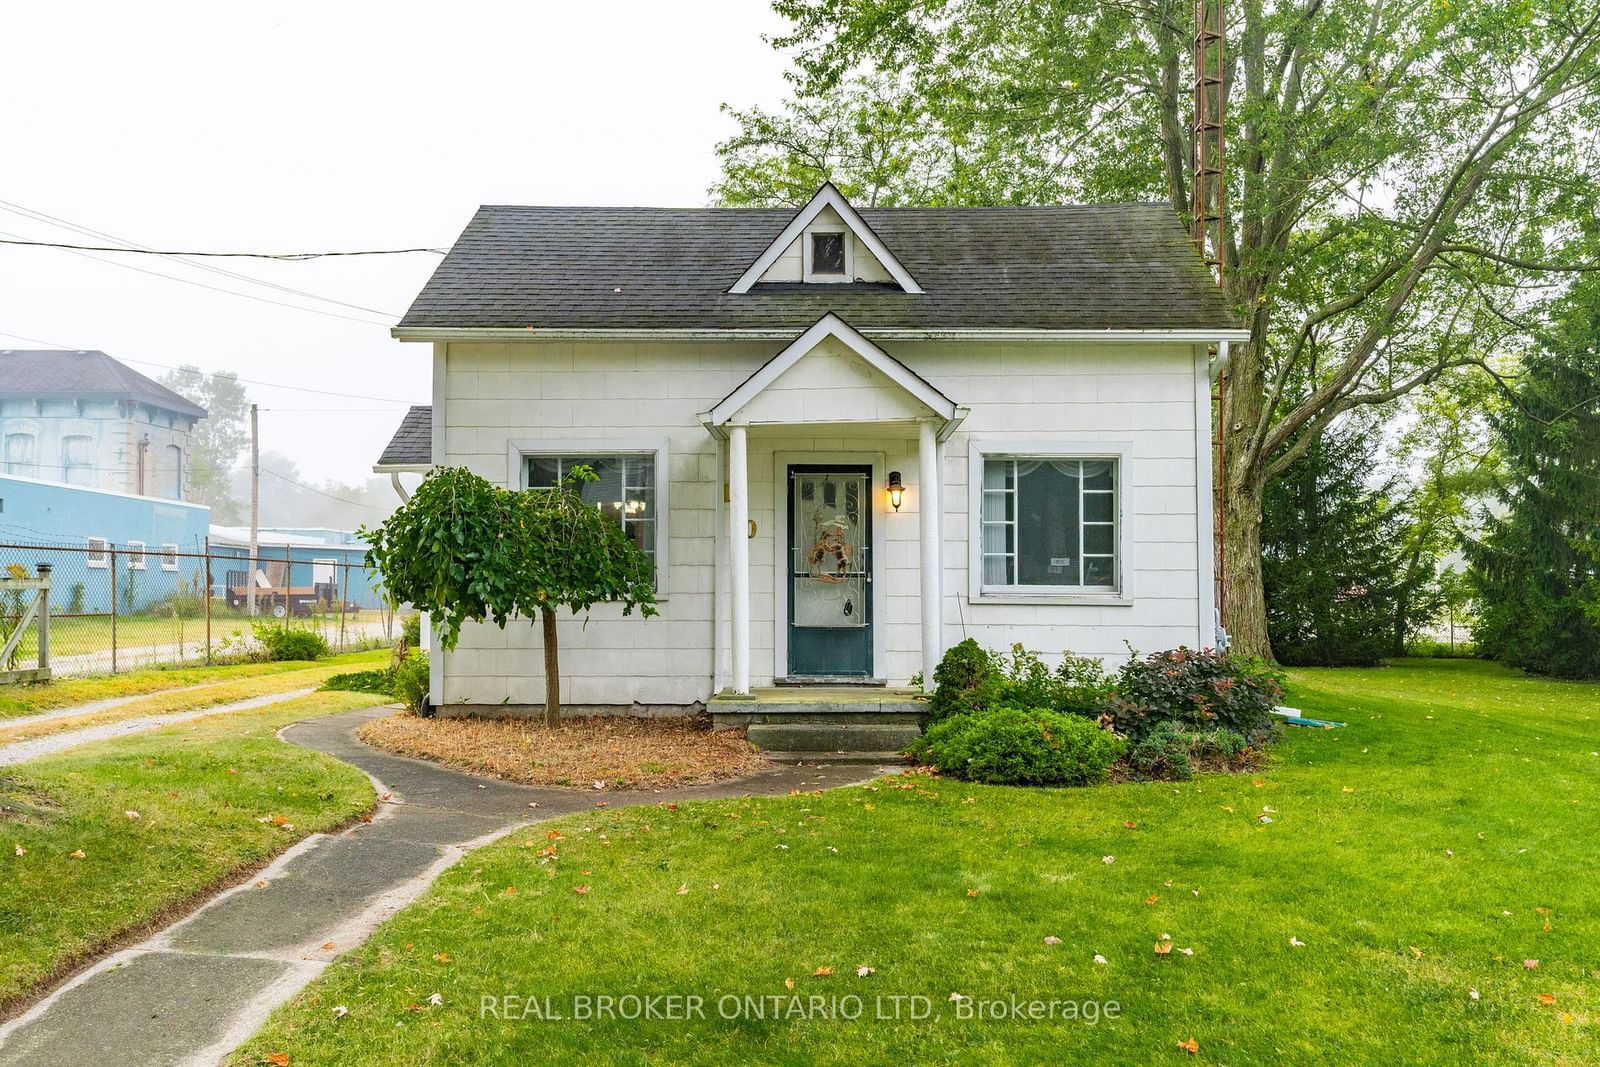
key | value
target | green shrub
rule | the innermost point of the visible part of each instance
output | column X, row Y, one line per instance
column 1015, row 746
column 283, row 642
column 411, row 630
column 966, row 680
column 410, row 682
column 1441, row 649
column 380, row 682
column 971, row 679
column 1171, row 753
column 1199, row 691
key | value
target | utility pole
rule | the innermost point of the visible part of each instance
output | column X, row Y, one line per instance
column 255, row 512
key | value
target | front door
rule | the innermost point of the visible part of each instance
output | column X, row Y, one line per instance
column 830, row 571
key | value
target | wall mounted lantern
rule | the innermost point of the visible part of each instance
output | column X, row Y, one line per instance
column 897, row 490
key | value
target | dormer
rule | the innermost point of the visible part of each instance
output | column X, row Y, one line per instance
column 827, row 242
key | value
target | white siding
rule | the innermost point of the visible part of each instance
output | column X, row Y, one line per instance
column 1144, row 394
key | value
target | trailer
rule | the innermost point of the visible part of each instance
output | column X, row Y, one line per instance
column 280, row 602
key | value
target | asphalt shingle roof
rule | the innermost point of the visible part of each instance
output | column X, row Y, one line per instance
column 1113, row 266
column 412, row 442
column 51, row 374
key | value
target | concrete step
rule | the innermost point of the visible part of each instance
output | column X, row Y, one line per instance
column 723, row 720
column 890, row 760
column 832, row 737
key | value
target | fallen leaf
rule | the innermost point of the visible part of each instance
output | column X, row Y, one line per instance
column 580, row 889
column 261, row 884
column 1151, row 899
column 130, row 814
column 863, row 971
column 414, row 1007
column 958, row 996
column 1163, row 948
column 511, row 890
column 1415, row 951
column 788, row 983
column 1099, row 958
column 1187, row 951
column 1108, row 859
column 683, row 890
column 1448, row 852
column 21, row 851
column 869, row 807
column 326, row 945
column 1227, row 808
column 1530, row 964
column 1052, row 940
column 1547, row 998
column 441, row 957
column 277, row 1059
column 1190, row 1046
column 340, row 1012
column 77, row 853
column 1473, row 994
column 972, row 892
column 1130, row 824
column 280, row 820
column 1347, row 789
column 1257, row 782
column 822, row 972
column 1168, row 883
column 436, row 1000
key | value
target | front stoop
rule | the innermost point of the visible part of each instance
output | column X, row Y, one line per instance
column 794, row 724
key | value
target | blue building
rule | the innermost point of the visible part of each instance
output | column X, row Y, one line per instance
column 158, row 544
column 304, row 559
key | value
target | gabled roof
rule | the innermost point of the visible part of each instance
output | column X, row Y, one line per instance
column 412, row 444
column 831, row 325
column 50, row 374
column 1097, row 267
column 827, row 197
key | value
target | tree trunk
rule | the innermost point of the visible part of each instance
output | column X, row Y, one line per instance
column 552, row 671
column 1244, row 602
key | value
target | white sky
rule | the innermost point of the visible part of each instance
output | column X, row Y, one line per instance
column 295, row 126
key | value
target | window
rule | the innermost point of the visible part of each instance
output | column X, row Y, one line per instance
column 827, row 253
column 21, row 458
column 77, row 459
column 625, row 489
column 136, row 555
column 99, row 552
column 171, row 474
column 1049, row 523
column 169, row 557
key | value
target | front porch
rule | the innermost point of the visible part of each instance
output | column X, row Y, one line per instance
column 837, row 723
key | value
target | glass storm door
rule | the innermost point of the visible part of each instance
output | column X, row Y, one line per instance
column 830, row 571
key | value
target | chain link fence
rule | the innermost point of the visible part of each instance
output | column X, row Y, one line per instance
column 121, row 607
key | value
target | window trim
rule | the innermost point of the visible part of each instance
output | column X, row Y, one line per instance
column 135, row 551
column 169, row 556
column 517, row 452
column 806, row 246
column 1066, row 447
column 104, row 552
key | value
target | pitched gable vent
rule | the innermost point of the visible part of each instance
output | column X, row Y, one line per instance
column 827, row 241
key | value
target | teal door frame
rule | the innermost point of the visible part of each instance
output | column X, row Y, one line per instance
column 831, row 652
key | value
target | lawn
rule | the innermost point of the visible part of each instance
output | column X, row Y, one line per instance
column 78, row 868
column 23, row 700
column 1422, row 853
column 74, row 635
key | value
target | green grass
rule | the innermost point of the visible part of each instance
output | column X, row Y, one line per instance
column 1411, row 853
column 201, row 790
column 30, row 699
column 73, row 635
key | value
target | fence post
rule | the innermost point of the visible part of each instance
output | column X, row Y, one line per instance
column 112, row 571
column 207, row 595
column 44, row 617
column 344, row 594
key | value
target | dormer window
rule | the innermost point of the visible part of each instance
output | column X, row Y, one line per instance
column 827, row 253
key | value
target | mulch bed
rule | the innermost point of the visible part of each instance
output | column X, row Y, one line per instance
column 615, row 751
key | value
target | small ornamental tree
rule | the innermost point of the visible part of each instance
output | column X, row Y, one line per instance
column 466, row 550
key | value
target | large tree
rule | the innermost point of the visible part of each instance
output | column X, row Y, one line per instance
column 1401, row 176
column 218, row 439
column 1536, row 567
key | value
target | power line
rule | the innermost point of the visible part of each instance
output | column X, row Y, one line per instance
column 291, row 257
column 131, row 245
column 330, row 496
column 218, row 288
column 248, row 381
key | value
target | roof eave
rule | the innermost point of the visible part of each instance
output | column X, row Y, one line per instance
column 1175, row 335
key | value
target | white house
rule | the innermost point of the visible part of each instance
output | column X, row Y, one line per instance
column 848, row 439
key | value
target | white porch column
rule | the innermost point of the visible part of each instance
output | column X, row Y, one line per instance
column 931, row 556
column 739, row 555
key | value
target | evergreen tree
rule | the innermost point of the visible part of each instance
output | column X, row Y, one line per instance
column 1332, row 556
column 1536, row 567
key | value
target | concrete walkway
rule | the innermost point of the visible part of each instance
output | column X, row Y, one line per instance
column 94, row 707
column 196, row 990
column 43, row 746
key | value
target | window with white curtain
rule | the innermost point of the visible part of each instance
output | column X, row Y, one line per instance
column 1049, row 523
column 77, row 459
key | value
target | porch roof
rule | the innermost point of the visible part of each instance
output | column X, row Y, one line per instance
column 928, row 400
